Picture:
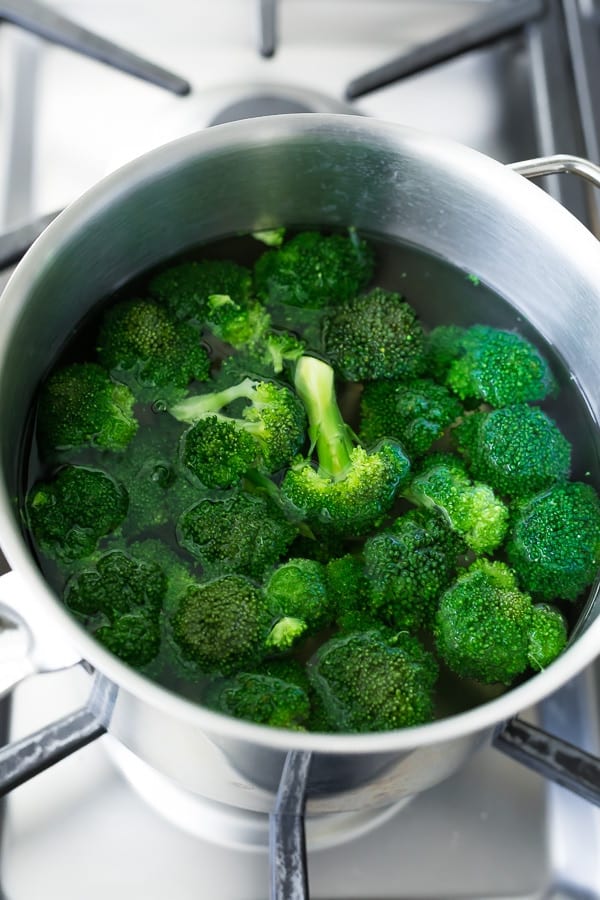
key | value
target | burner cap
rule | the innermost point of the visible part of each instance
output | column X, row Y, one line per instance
column 259, row 105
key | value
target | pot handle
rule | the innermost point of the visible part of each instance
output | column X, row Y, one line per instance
column 561, row 163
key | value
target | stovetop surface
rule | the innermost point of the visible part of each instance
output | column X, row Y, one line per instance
column 80, row 830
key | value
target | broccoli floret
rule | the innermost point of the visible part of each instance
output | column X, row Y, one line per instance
column 470, row 509
column 554, row 542
column 262, row 699
column 375, row 335
column 416, row 413
column 352, row 489
column 81, row 406
column 442, row 346
column 313, row 270
column 547, row 636
column 408, row 567
column 296, row 596
column 186, row 289
column 273, row 418
column 517, row 450
column 370, row 682
column 499, row 367
column 346, row 583
column 142, row 344
column 70, row 514
column 179, row 576
column 219, row 627
column 235, row 533
column 484, row 623
column 119, row 599
column 275, row 348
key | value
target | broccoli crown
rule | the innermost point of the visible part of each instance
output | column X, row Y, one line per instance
column 346, row 583
column 278, row 347
column 217, row 452
column 313, row 270
column 116, row 584
column 442, row 346
column 273, row 418
column 296, row 594
column 262, row 699
column 517, row 450
column 352, row 489
column 483, row 622
column 409, row 566
column 142, row 343
column 236, row 324
column 70, row 514
column 471, row 509
column 81, row 406
column 554, row 541
column 186, row 289
column 133, row 637
column 179, row 577
column 500, row 367
column 369, row 682
column 375, row 335
column 220, row 626
column 235, row 533
column 416, row 413
column 547, row 636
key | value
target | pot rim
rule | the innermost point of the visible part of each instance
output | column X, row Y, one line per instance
column 481, row 168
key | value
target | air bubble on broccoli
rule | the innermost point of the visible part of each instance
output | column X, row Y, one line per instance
column 416, row 413
column 70, row 514
column 296, row 596
column 81, row 406
column 313, row 270
column 470, row 509
column 352, row 489
column 554, row 541
column 517, row 450
column 370, row 682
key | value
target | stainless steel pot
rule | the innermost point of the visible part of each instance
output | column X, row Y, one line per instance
column 301, row 170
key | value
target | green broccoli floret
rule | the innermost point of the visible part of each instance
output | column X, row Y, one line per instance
column 262, row 699
column 547, row 636
column 484, row 625
column 119, row 599
column 273, row 419
column 352, row 489
column 186, row 289
column 347, row 585
column 70, row 514
column 179, row 576
column 276, row 348
column 371, row 682
column 517, row 450
column 470, row 509
column 313, row 270
column 81, row 406
column 239, row 325
column 142, row 344
column 408, row 566
column 442, row 346
column 219, row 627
column 416, row 413
column 499, row 367
column 235, row 533
column 296, row 596
column 375, row 335
column 554, row 542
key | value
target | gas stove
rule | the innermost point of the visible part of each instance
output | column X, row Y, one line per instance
column 99, row 822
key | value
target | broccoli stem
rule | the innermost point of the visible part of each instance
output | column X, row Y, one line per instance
column 329, row 434
column 193, row 408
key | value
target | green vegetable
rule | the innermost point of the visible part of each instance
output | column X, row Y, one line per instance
column 367, row 682
column 262, row 699
column 470, row 509
column 517, row 450
column 375, row 335
column 81, row 406
column 442, row 346
column 416, row 413
column 346, row 582
column 134, row 637
column 186, row 289
column 547, row 636
column 235, row 532
column 554, row 542
column 70, row 514
column 352, row 489
column 142, row 344
column 296, row 595
column 485, row 626
column 313, row 270
column 408, row 567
